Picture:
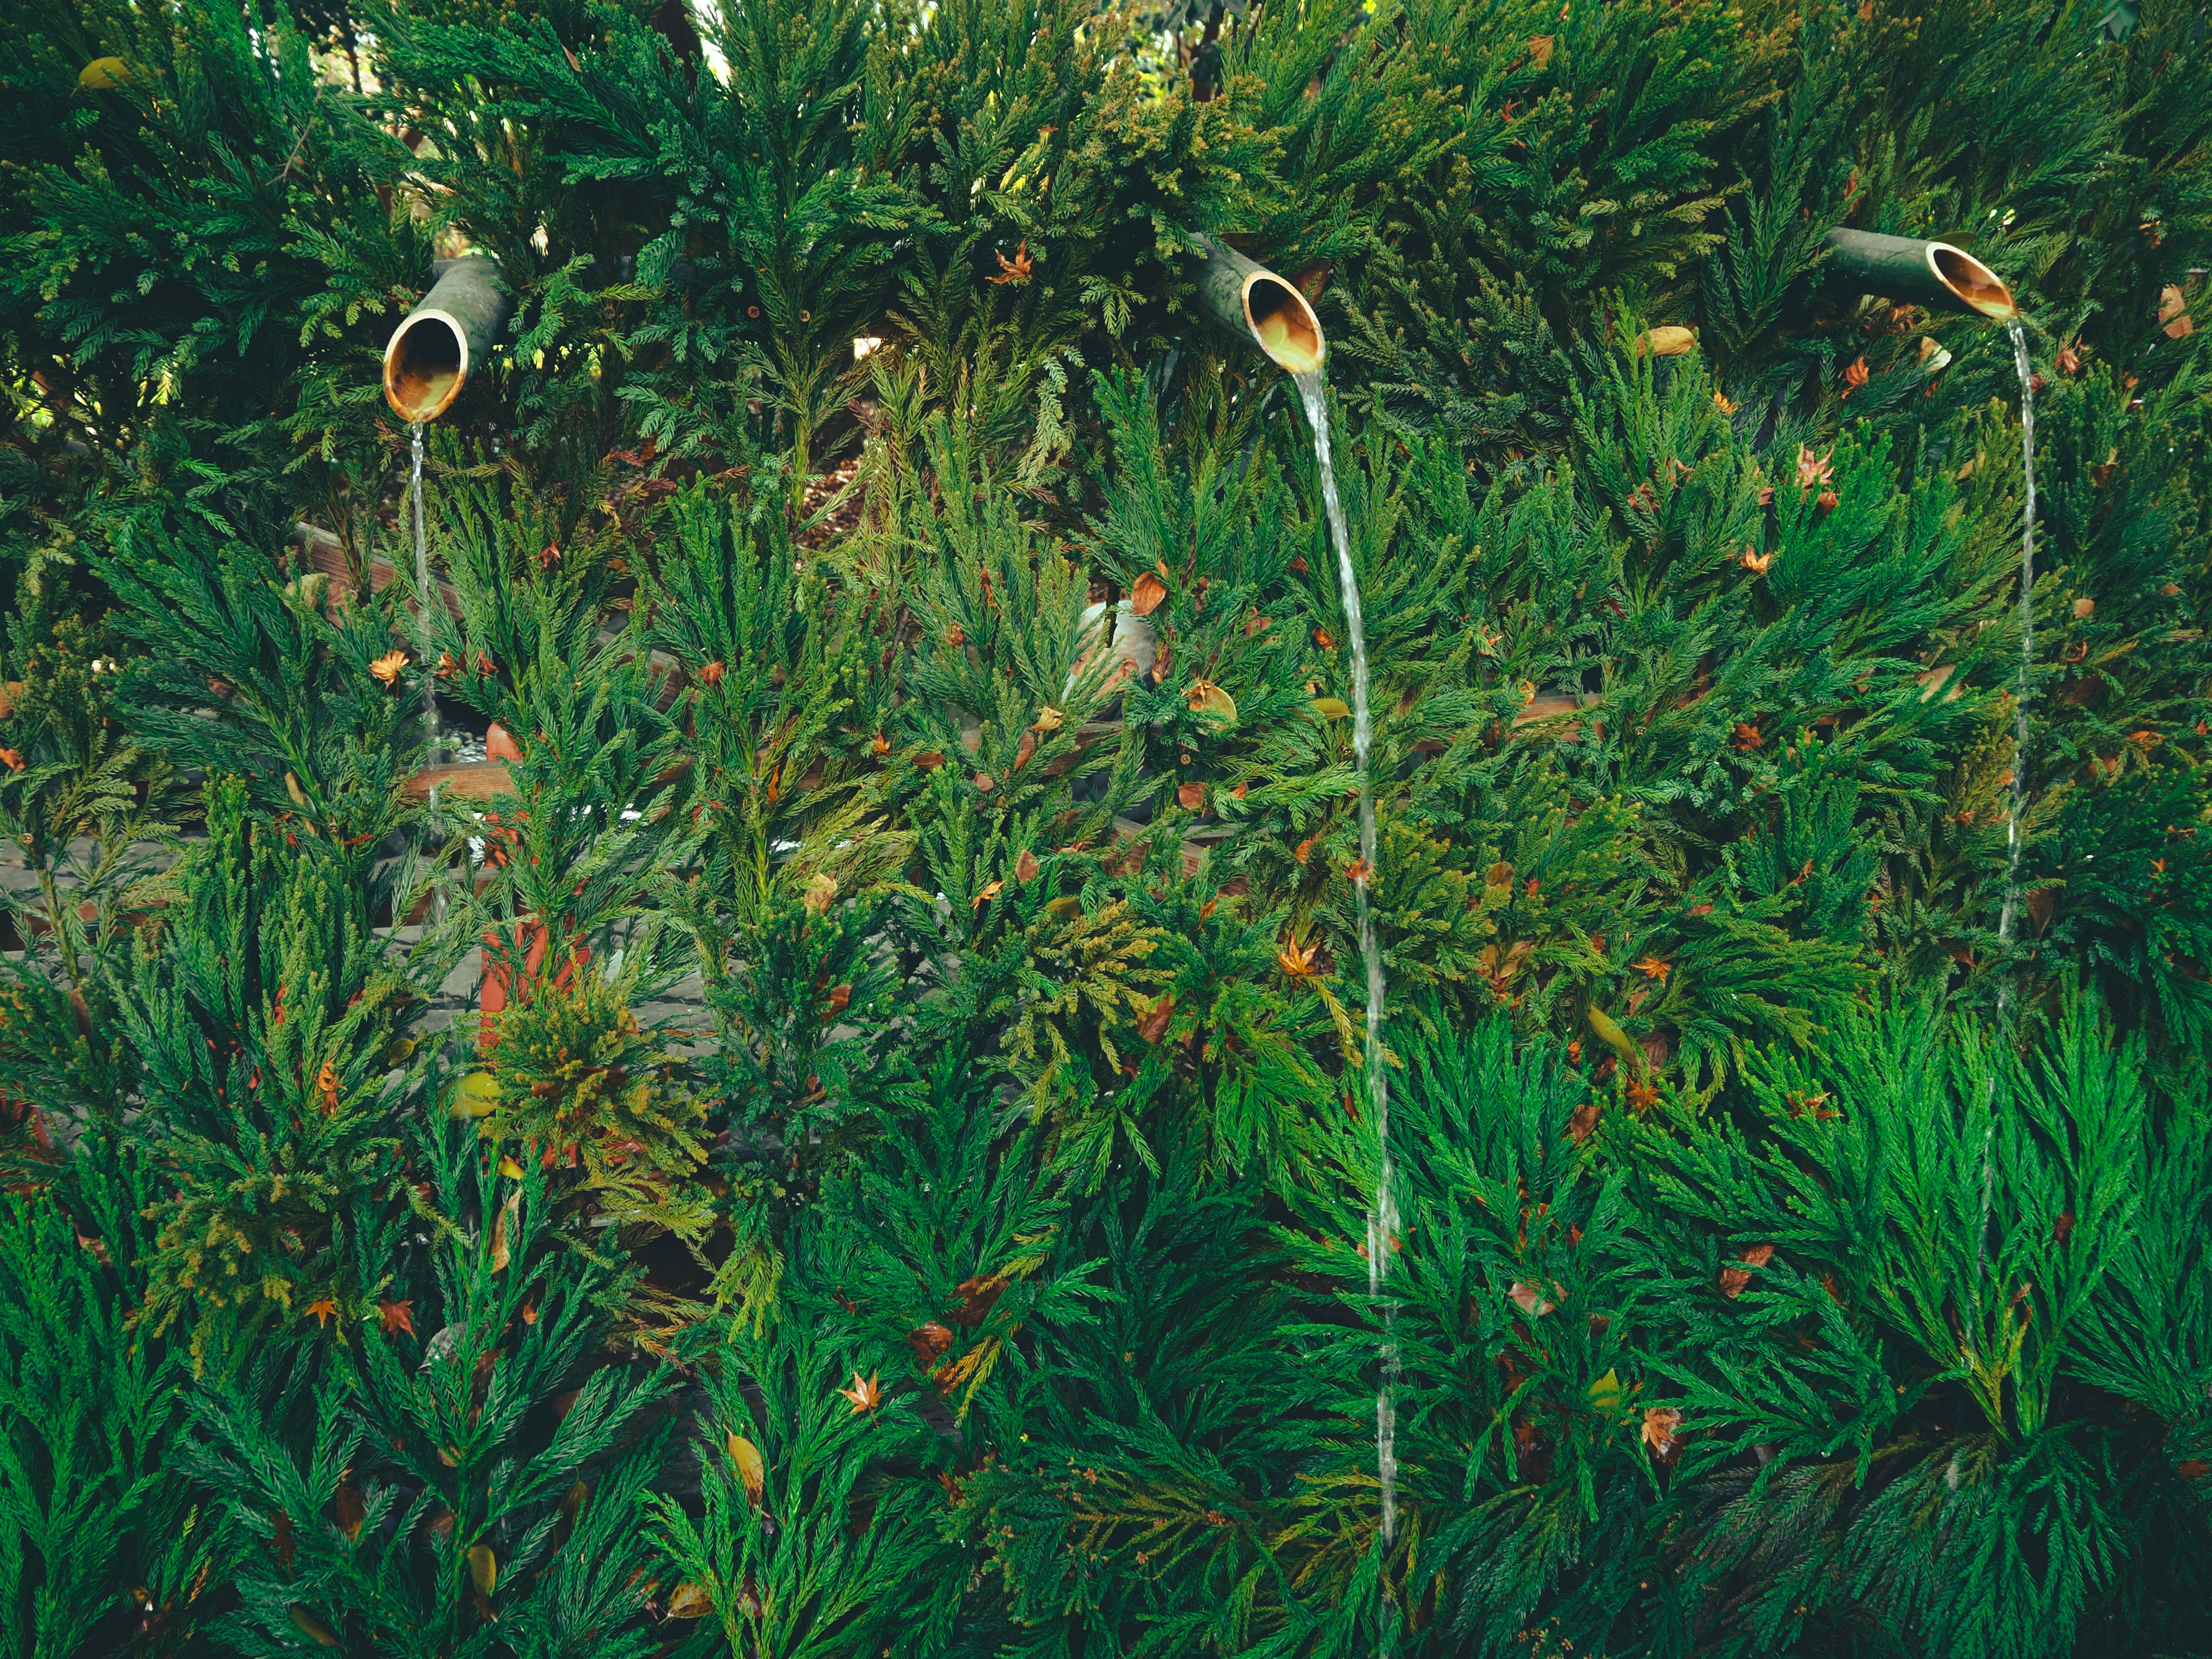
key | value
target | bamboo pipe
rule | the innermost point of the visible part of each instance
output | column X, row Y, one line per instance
column 1931, row 274
column 441, row 342
column 1250, row 300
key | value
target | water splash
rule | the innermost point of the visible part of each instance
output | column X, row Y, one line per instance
column 422, row 586
column 2016, row 838
column 1383, row 1217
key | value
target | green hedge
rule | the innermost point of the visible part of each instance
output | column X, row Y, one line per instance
column 915, row 1196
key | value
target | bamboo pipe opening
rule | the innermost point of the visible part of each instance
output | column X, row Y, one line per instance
column 1971, row 282
column 1283, row 323
column 425, row 365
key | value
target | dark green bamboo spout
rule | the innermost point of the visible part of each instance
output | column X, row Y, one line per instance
column 1252, row 303
column 441, row 342
column 1931, row 274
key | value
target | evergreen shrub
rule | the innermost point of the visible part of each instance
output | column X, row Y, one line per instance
column 845, row 1129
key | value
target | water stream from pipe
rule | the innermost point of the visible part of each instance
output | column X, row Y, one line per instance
column 430, row 751
column 1383, row 1217
column 422, row 587
column 2015, row 837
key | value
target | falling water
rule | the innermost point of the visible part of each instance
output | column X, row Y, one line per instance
column 2014, row 837
column 422, row 587
column 430, row 749
column 1383, row 1218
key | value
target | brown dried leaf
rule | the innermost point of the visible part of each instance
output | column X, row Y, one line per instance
column 500, row 1252
column 689, row 1601
column 1530, row 1300
column 1734, row 1280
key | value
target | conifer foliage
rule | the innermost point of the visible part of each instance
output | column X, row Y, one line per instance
column 842, row 1127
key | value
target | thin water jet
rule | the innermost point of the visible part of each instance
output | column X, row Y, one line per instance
column 430, row 747
column 431, row 750
column 1383, row 1217
column 1250, row 300
column 2015, row 837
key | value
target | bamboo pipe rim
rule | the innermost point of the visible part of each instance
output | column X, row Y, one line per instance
column 1972, row 282
column 424, row 373
column 1276, row 295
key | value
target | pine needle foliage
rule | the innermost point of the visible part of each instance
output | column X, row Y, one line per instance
column 845, row 1128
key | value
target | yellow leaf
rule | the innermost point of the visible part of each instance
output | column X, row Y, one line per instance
column 305, row 1621
column 1610, row 1034
column 1666, row 341
column 1606, row 1393
column 1331, row 708
column 483, row 1569
column 104, row 74
column 508, row 1167
column 1205, row 697
column 477, row 1096
column 751, row 1470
